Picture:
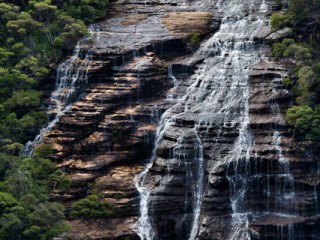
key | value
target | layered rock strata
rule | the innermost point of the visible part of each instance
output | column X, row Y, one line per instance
column 226, row 166
column 104, row 139
column 196, row 189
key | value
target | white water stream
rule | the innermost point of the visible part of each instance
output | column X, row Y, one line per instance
column 71, row 77
column 219, row 95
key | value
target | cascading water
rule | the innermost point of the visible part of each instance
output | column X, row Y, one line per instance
column 219, row 95
column 245, row 174
column 143, row 227
column 284, row 179
column 71, row 78
column 198, row 186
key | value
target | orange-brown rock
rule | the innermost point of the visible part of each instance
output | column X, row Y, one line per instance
column 104, row 140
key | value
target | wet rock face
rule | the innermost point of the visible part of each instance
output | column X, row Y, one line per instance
column 227, row 141
column 103, row 141
column 140, row 25
column 209, row 98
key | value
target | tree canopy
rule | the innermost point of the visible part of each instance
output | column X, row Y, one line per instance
column 303, row 17
column 34, row 36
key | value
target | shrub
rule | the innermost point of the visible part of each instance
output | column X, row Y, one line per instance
column 195, row 38
column 91, row 207
column 278, row 20
column 7, row 201
column 278, row 49
column 287, row 82
column 305, row 121
column 43, row 151
column 300, row 117
column 298, row 52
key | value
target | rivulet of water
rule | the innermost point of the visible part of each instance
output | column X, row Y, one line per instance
column 218, row 95
column 71, row 78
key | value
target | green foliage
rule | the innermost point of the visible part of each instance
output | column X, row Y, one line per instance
column 5, row 55
column 13, row 148
column 34, row 35
column 39, row 168
column 305, row 13
column 305, row 121
column 307, row 87
column 32, row 219
column 195, row 38
column 299, row 52
column 71, row 31
column 23, row 99
column 278, row 49
column 7, row 201
column 59, row 180
column 87, row 10
column 303, row 17
column 91, row 207
column 279, row 20
column 300, row 117
column 43, row 151
column 33, row 119
column 25, row 212
column 287, row 82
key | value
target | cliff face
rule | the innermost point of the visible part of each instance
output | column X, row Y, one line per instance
column 222, row 164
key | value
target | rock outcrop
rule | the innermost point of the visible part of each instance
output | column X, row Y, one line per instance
column 279, row 35
column 103, row 141
column 143, row 63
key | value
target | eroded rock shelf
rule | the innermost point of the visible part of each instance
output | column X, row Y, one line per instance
column 143, row 63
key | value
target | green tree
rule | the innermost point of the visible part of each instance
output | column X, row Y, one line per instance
column 34, row 35
column 7, row 201
column 91, row 207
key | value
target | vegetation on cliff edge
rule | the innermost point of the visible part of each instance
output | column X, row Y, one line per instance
column 303, row 17
column 34, row 36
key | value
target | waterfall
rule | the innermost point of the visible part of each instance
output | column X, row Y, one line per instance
column 218, row 95
column 285, row 188
column 143, row 226
column 71, row 78
column 172, row 77
column 198, row 187
column 244, row 175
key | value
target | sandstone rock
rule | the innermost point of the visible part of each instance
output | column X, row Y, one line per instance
column 279, row 35
column 105, row 139
column 182, row 24
column 109, row 229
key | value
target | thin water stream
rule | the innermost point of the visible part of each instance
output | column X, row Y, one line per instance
column 71, row 78
column 219, row 95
